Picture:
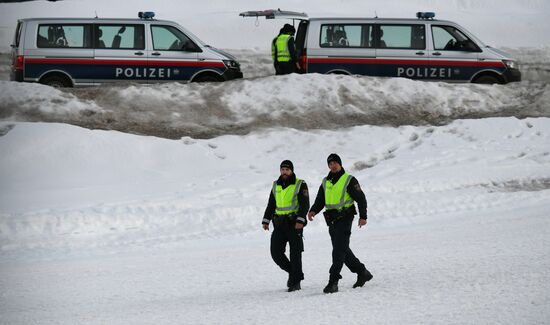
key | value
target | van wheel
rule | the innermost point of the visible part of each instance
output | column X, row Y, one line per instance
column 56, row 82
column 487, row 80
column 207, row 78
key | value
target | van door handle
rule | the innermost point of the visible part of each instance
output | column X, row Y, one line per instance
column 155, row 53
column 436, row 53
column 138, row 53
column 419, row 53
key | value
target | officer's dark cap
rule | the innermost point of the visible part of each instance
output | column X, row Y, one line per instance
column 334, row 157
column 288, row 164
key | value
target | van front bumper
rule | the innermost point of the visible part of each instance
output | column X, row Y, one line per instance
column 231, row 74
column 512, row 75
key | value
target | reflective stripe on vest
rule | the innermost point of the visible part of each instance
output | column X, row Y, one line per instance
column 283, row 54
column 286, row 200
column 336, row 195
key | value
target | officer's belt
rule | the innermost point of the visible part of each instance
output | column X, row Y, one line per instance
column 290, row 215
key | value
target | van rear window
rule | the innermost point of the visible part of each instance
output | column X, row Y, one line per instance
column 346, row 35
column 64, row 36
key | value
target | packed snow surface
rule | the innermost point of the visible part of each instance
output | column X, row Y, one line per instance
column 105, row 227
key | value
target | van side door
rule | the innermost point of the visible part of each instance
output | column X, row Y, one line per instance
column 454, row 53
column 343, row 48
column 119, row 53
column 173, row 55
column 401, row 50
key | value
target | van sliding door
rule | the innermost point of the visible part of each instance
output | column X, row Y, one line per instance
column 401, row 50
column 119, row 53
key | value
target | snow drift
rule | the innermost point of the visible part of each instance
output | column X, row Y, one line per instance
column 299, row 101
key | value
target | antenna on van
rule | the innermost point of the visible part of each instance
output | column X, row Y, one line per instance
column 96, row 14
column 375, row 14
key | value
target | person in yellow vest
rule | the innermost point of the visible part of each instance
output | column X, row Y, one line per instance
column 287, row 208
column 283, row 51
column 337, row 195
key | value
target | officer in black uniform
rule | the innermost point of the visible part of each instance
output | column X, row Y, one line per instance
column 337, row 195
column 283, row 51
column 287, row 208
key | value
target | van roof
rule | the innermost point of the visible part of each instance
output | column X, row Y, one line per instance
column 134, row 20
column 400, row 20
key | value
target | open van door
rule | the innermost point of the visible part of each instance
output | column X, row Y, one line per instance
column 301, row 30
column 275, row 14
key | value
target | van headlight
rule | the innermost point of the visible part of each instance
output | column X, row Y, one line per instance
column 511, row 64
column 231, row 64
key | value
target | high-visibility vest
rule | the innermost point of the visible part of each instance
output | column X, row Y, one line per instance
column 336, row 195
column 286, row 200
column 281, row 46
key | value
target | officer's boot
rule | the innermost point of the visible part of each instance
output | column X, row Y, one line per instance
column 362, row 277
column 294, row 286
column 331, row 287
column 289, row 281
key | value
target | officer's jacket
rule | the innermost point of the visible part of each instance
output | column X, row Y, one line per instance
column 354, row 190
column 303, row 201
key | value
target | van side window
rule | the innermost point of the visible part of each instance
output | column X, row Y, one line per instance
column 117, row 36
column 448, row 38
column 65, row 36
column 168, row 38
column 402, row 37
column 345, row 35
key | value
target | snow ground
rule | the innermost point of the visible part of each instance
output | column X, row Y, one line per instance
column 106, row 227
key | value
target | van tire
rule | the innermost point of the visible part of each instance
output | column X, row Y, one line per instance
column 56, row 81
column 207, row 78
column 487, row 80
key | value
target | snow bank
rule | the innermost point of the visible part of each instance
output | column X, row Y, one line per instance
column 69, row 188
column 299, row 101
column 38, row 102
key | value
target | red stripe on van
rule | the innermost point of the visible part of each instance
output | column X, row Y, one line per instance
column 431, row 62
column 157, row 63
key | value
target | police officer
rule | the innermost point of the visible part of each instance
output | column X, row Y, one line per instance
column 287, row 208
column 283, row 51
column 337, row 195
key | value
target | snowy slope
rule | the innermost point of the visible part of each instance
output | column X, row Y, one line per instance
column 105, row 227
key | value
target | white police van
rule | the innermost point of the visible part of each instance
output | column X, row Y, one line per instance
column 67, row 52
column 423, row 48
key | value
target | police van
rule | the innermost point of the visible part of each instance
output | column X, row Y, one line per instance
column 423, row 48
column 65, row 52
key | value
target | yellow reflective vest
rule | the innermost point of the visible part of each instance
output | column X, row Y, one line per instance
column 279, row 47
column 286, row 200
column 336, row 195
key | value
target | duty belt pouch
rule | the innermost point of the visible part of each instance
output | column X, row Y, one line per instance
column 331, row 216
column 278, row 221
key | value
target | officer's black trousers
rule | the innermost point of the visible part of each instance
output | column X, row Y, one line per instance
column 285, row 68
column 340, row 232
column 284, row 232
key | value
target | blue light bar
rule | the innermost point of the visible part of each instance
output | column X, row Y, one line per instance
column 425, row 15
column 146, row 14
